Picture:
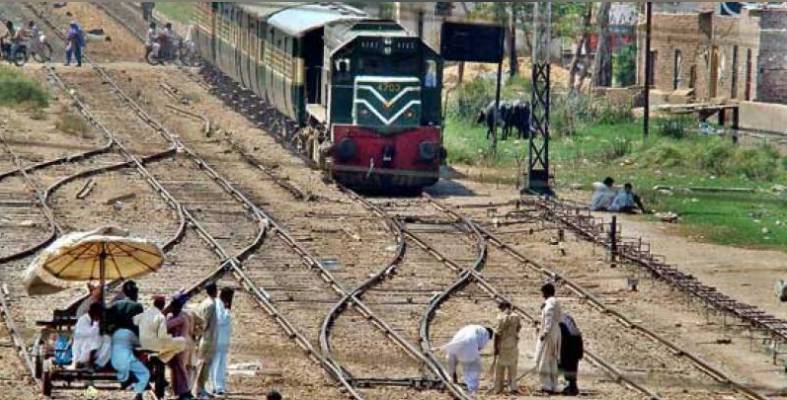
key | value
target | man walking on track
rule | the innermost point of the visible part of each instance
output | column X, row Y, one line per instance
column 506, row 348
column 548, row 344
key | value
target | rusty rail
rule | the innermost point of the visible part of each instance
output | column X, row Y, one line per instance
column 584, row 294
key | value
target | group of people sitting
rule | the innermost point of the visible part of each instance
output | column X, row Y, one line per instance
column 559, row 347
column 160, row 42
column 608, row 198
column 112, row 336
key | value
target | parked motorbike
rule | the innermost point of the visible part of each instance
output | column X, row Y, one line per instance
column 20, row 56
column 182, row 51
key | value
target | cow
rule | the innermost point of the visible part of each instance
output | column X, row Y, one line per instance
column 494, row 118
column 520, row 118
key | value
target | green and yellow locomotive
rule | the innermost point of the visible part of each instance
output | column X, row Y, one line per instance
column 364, row 94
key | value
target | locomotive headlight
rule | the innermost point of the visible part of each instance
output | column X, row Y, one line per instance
column 346, row 149
column 427, row 151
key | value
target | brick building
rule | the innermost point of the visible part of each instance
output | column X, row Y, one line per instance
column 704, row 54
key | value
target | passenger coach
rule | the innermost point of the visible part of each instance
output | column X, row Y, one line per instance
column 365, row 94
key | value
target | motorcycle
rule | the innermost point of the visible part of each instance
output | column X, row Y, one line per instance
column 20, row 56
column 41, row 50
column 183, row 51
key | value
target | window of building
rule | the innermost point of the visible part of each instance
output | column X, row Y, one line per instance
column 676, row 70
column 734, row 86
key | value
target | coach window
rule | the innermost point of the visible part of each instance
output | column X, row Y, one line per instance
column 430, row 78
column 343, row 65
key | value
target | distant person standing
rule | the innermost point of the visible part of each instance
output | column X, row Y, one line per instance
column 507, row 348
column 548, row 345
column 218, row 370
column 207, row 345
column 147, row 10
column 571, row 351
column 75, row 41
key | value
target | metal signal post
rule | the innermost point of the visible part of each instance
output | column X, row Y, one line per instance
column 538, row 148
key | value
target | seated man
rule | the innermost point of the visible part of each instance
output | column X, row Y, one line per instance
column 603, row 195
column 120, row 324
column 153, row 333
column 626, row 201
column 90, row 348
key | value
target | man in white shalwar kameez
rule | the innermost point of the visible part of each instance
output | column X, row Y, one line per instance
column 90, row 348
column 218, row 369
column 153, row 333
column 548, row 344
column 465, row 348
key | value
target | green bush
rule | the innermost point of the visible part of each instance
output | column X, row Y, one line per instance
column 665, row 154
column 624, row 65
column 471, row 98
column 674, row 127
column 715, row 157
column 16, row 89
column 619, row 147
column 760, row 163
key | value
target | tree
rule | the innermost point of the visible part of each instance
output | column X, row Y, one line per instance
column 602, row 64
column 583, row 41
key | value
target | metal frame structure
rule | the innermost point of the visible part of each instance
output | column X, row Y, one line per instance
column 538, row 145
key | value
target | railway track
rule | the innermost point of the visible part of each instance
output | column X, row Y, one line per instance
column 694, row 376
column 387, row 271
column 255, row 289
column 637, row 252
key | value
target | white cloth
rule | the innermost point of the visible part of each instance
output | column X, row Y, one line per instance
column 548, row 350
column 467, row 343
column 87, row 338
column 471, row 372
column 465, row 347
column 603, row 196
column 153, row 335
column 622, row 200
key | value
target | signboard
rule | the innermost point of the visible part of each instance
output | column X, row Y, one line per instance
column 472, row 42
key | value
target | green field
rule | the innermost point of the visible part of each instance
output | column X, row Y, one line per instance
column 584, row 150
column 179, row 11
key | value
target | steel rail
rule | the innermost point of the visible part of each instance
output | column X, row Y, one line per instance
column 231, row 264
column 41, row 201
column 586, row 295
column 317, row 266
column 397, row 230
column 234, row 262
column 349, row 297
column 583, row 224
column 466, row 275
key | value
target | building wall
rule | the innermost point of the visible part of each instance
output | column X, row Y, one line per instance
column 707, row 45
column 772, row 64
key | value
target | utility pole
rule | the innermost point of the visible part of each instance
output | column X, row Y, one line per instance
column 538, row 149
column 648, row 67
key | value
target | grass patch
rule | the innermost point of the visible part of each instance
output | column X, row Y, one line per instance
column 72, row 124
column 18, row 90
column 592, row 139
column 177, row 11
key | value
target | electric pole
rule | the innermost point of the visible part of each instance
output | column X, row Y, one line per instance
column 538, row 149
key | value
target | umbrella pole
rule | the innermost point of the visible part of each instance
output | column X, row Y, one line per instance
column 102, row 272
